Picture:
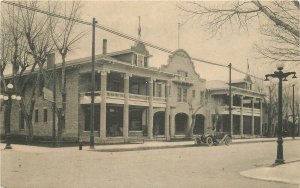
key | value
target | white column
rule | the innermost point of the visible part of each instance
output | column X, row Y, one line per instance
column 150, row 111
column 167, row 112
column 172, row 122
column 261, row 119
column 252, row 118
column 126, row 107
column 103, row 105
column 242, row 117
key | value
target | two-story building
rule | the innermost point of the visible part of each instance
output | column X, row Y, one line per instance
column 133, row 99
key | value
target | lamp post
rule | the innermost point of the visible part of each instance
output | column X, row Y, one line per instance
column 8, row 96
column 282, row 76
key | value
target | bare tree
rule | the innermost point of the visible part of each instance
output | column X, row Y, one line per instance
column 64, row 35
column 30, row 44
column 281, row 18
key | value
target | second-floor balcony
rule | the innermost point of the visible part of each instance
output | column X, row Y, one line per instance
column 236, row 110
column 119, row 97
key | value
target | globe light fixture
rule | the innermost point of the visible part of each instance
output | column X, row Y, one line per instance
column 10, row 86
column 13, row 97
column 280, row 65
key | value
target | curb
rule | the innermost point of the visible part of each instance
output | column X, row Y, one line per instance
column 175, row 146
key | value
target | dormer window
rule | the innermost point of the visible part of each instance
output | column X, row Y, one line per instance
column 182, row 73
column 140, row 60
column 145, row 61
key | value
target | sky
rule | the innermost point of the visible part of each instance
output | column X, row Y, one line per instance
column 159, row 25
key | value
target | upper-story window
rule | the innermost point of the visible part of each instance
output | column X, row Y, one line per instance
column 181, row 94
column 145, row 61
column 182, row 73
column 158, row 90
column 140, row 60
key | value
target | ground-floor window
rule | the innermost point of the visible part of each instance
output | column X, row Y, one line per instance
column 135, row 119
column 114, row 121
column 87, row 117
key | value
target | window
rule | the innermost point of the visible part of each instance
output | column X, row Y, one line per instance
column 159, row 90
column 145, row 61
column 179, row 91
column 201, row 96
column 184, row 95
column 182, row 73
column 135, row 59
column 36, row 115
column 194, row 93
column 140, row 60
column 45, row 115
column 21, row 120
column 134, row 87
column 181, row 94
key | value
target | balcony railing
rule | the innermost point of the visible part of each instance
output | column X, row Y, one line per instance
column 114, row 94
column 120, row 95
column 139, row 97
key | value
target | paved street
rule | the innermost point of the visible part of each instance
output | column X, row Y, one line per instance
column 218, row 166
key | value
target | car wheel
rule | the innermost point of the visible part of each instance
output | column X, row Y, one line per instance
column 227, row 140
column 197, row 141
column 209, row 141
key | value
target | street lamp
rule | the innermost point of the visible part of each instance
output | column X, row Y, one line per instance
column 8, row 96
column 281, row 76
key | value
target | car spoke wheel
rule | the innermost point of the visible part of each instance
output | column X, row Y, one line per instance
column 209, row 141
column 227, row 140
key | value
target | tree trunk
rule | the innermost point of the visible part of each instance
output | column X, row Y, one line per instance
column 7, row 114
column 191, row 131
column 61, row 112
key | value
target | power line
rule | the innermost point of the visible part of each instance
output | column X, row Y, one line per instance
column 118, row 33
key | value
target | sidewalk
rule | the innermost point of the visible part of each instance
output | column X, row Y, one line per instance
column 285, row 173
column 163, row 145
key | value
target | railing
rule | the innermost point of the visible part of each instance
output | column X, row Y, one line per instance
column 86, row 96
column 139, row 97
column 237, row 109
column 159, row 99
column 115, row 94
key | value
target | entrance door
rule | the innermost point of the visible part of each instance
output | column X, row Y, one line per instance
column 159, row 123
column 181, row 120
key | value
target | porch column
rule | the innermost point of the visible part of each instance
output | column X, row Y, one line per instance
column 150, row 111
column 103, row 104
column 189, row 131
column 242, row 117
column 126, row 107
column 260, row 120
column 172, row 122
column 252, row 117
column 167, row 112
column 231, row 116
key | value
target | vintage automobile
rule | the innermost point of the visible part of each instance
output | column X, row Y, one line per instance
column 214, row 138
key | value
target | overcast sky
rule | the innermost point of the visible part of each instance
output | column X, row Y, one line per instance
column 159, row 24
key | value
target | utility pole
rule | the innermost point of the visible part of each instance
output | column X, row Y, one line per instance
column 230, row 106
column 92, row 121
column 54, row 108
column 294, row 122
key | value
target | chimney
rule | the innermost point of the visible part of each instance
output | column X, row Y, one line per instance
column 50, row 60
column 104, row 48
